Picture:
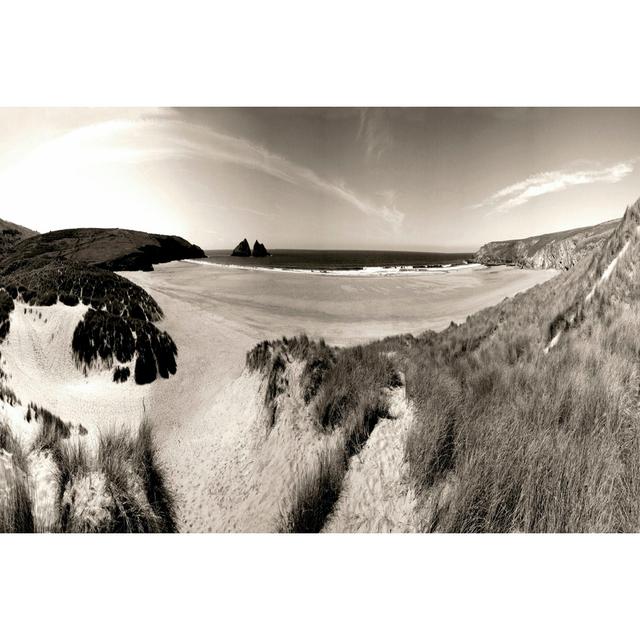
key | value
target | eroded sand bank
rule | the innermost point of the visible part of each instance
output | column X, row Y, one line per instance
column 215, row 315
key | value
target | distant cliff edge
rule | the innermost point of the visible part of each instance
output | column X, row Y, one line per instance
column 559, row 250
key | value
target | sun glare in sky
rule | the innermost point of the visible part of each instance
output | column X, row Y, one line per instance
column 343, row 178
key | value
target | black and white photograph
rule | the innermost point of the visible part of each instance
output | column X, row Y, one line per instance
column 319, row 320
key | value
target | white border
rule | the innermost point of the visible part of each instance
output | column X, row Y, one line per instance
column 286, row 52
column 328, row 53
column 342, row 586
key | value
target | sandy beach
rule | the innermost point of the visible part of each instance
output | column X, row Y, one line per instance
column 343, row 309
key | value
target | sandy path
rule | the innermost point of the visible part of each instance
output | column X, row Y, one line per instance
column 211, row 469
column 376, row 495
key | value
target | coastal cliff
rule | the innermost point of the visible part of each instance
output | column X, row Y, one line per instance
column 561, row 250
column 112, row 249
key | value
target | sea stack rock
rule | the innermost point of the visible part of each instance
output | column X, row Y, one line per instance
column 243, row 250
column 259, row 250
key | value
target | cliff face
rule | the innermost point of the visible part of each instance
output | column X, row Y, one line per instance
column 560, row 250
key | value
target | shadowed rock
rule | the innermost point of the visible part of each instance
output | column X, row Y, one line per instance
column 259, row 250
column 243, row 250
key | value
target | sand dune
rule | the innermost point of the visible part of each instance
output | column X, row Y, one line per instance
column 203, row 414
column 208, row 418
column 38, row 361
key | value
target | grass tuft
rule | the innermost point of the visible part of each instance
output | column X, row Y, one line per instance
column 16, row 512
column 315, row 494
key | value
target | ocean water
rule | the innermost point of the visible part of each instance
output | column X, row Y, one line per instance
column 342, row 260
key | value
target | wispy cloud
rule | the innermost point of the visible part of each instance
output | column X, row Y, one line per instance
column 249, row 211
column 373, row 130
column 539, row 184
column 148, row 139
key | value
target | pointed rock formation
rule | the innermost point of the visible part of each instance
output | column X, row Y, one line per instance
column 243, row 250
column 259, row 250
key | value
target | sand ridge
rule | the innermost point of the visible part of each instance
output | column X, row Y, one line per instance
column 38, row 361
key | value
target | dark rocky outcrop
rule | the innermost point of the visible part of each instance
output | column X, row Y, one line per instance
column 259, row 250
column 561, row 250
column 243, row 250
column 113, row 249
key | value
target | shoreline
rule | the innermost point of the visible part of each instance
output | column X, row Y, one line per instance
column 353, row 271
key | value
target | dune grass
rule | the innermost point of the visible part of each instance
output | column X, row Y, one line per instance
column 125, row 468
column 351, row 388
column 547, row 444
column 15, row 500
column 102, row 337
column 346, row 391
column 315, row 493
column 52, row 427
column 143, row 501
column 525, row 440
column 120, row 488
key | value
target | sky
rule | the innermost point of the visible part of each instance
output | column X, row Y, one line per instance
column 347, row 178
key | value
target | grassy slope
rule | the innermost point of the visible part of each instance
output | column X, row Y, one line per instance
column 11, row 228
column 344, row 388
column 509, row 438
column 10, row 235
